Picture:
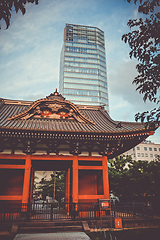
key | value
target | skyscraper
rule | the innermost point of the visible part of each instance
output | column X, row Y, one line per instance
column 83, row 78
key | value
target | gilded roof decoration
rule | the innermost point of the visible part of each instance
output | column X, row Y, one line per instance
column 52, row 107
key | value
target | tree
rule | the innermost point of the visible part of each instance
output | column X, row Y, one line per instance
column 140, row 180
column 59, row 185
column 144, row 42
column 56, row 182
column 118, row 178
column 6, row 7
column 135, row 180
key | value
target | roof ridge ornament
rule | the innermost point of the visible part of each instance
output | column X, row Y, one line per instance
column 53, row 106
column 55, row 95
column 119, row 125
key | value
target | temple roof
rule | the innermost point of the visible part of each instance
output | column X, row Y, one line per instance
column 53, row 124
column 55, row 114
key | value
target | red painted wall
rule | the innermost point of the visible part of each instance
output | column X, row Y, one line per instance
column 90, row 182
column 11, row 181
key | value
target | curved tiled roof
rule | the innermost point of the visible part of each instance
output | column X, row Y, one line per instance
column 53, row 121
column 100, row 121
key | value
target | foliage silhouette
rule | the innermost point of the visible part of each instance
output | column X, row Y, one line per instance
column 144, row 41
column 134, row 180
column 7, row 6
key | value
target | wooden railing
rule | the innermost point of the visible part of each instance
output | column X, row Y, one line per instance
column 51, row 211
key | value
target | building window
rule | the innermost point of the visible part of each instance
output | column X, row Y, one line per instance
column 142, row 154
column 134, row 155
column 145, row 148
column 155, row 149
column 150, row 149
column 138, row 154
column 159, row 149
column 151, row 155
column 138, row 148
column 134, row 149
column 146, row 154
column 83, row 62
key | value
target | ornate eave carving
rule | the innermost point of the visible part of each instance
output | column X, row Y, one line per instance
column 53, row 106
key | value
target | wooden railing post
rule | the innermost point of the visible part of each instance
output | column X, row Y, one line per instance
column 51, row 217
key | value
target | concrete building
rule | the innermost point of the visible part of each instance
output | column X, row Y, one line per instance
column 146, row 150
column 83, row 77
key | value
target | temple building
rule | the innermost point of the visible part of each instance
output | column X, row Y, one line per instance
column 55, row 134
column 83, row 75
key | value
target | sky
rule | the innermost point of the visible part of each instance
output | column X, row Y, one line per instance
column 30, row 52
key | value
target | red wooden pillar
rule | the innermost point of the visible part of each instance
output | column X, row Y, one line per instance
column 67, row 189
column 68, row 182
column 26, row 182
column 67, row 186
column 105, row 178
column 32, row 184
column 75, row 179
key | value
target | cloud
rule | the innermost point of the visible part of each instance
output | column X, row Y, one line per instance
column 123, row 96
column 30, row 49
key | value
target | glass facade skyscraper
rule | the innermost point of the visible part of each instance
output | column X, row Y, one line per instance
column 83, row 78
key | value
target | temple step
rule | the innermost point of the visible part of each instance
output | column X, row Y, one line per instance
column 42, row 227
